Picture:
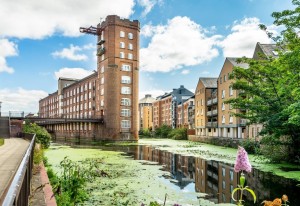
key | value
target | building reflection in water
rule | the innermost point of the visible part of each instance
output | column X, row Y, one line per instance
column 217, row 179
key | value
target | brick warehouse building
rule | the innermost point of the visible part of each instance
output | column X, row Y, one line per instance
column 104, row 105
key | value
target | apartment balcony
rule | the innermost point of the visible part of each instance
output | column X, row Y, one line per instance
column 212, row 124
column 212, row 113
column 215, row 100
column 101, row 42
column 212, row 101
column 243, row 122
column 209, row 102
column 100, row 51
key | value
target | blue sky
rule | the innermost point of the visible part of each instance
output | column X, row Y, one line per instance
column 180, row 41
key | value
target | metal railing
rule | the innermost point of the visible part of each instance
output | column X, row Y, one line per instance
column 19, row 189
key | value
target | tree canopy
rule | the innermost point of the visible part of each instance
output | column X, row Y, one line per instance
column 271, row 86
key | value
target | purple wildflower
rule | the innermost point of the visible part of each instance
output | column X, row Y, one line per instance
column 242, row 161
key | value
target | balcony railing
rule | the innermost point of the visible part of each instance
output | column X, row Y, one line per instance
column 100, row 51
column 212, row 124
column 215, row 100
column 243, row 121
column 209, row 102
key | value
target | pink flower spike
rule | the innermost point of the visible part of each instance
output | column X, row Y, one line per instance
column 242, row 161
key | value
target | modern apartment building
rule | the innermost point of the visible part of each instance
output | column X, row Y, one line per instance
column 228, row 124
column 206, row 111
column 146, row 112
column 104, row 105
column 165, row 107
column 185, row 114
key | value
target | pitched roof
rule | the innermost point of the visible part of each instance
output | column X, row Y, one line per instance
column 209, row 82
column 147, row 99
column 234, row 62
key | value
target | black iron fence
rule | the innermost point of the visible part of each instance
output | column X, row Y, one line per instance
column 19, row 190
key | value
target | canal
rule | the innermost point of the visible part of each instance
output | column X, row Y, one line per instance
column 186, row 179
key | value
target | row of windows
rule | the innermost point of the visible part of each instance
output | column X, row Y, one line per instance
column 122, row 35
column 230, row 92
column 122, row 45
column 124, row 67
column 129, row 55
column 224, row 78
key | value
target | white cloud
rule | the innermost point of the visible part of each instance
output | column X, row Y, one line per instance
column 75, row 73
column 154, row 93
column 242, row 40
column 185, row 71
column 38, row 19
column 71, row 53
column 180, row 43
column 21, row 99
column 148, row 5
column 7, row 49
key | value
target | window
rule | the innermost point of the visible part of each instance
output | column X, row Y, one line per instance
column 122, row 55
column 223, row 106
column 223, row 184
column 231, row 175
column 230, row 119
column 125, row 90
column 125, row 112
column 102, row 103
column 230, row 106
column 223, row 119
column 125, row 80
column 122, row 45
column 130, row 36
column 130, row 56
column 225, row 78
column 223, row 94
column 125, row 101
column 102, row 92
column 130, row 46
column 126, row 67
column 220, row 80
column 125, row 123
column 223, row 172
column 102, row 80
column 122, row 34
column 230, row 91
column 102, row 69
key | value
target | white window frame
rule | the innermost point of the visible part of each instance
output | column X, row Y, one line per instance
column 223, row 94
column 125, row 102
column 230, row 91
column 223, row 119
column 130, row 46
column 125, row 113
column 223, row 106
column 125, row 124
column 125, row 90
column 125, row 79
column 122, row 45
column 122, row 34
column 130, row 35
column 126, row 67
column 122, row 55
column 102, row 69
column 130, row 56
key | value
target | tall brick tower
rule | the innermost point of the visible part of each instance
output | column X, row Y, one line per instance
column 118, row 75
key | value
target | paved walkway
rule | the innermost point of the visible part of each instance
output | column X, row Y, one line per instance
column 11, row 155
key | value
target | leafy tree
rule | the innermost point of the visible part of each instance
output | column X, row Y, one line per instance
column 271, row 87
column 42, row 136
column 163, row 131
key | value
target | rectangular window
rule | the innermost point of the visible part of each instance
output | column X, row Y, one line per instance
column 102, row 80
column 223, row 94
column 125, row 123
column 102, row 103
column 122, row 45
column 122, row 55
column 225, row 78
column 130, row 56
column 130, row 36
column 125, row 101
column 126, row 80
column 102, row 91
column 230, row 119
column 223, row 106
column 231, row 175
column 130, row 46
column 126, row 67
column 230, row 91
column 125, row 112
column 223, row 119
column 102, row 69
column 122, row 34
column 223, row 172
column 125, row 90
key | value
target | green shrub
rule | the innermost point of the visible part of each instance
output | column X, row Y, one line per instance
column 145, row 132
column 38, row 154
column 178, row 134
column 251, row 146
column 163, row 131
column 42, row 136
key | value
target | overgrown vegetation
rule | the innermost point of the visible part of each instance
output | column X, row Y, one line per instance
column 146, row 133
column 272, row 88
column 166, row 131
column 69, row 185
column 1, row 141
column 42, row 135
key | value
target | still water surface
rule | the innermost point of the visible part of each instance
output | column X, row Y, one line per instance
column 216, row 179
